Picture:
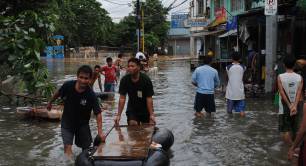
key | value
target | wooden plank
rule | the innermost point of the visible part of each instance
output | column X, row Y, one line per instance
column 126, row 142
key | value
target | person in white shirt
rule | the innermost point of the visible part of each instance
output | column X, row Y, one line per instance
column 235, row 95
column 290, row 85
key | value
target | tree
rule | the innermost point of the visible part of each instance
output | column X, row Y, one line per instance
column 84, row 23
column 155, row 25
column 302, row 4
column 151, row 41
column 155, row 20
column 21, row 44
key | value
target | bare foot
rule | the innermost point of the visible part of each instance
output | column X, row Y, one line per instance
column 199, row 114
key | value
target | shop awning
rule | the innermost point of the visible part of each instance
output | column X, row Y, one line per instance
column 232, row 32
column 206, row 33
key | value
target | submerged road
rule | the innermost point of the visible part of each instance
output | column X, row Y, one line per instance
column 216, row 141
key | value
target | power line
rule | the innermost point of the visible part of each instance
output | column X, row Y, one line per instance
column 179, row 4
column 129, row 4
column 180, row 10
column 170, row 6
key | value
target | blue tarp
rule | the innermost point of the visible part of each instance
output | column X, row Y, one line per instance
column 55, row 51
column 231, row 24
column 58, row 37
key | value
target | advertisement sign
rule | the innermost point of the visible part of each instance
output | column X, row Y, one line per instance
column 220, row 15
column 178, row 20
column 197, row 23
column 270, row 7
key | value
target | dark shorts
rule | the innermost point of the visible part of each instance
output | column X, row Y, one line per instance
column 289, row 123
column 138, row 118
column 82, row 136
column 109, row 87
column 206, row 101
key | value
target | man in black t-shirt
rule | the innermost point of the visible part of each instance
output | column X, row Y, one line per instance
column 79, row 100
column 139, row 88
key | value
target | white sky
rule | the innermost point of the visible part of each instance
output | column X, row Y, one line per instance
column 118, row 11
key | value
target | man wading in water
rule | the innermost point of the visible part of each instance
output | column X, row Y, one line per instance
column 206, row 79
column 139, row 88
column 79, row 100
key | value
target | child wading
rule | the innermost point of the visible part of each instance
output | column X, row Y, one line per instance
column 235, row 89
column 109, row 72
column 290, row 86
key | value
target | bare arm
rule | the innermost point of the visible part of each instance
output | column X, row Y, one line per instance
column 300, row 133
column 299, row 93
column 299, row 136
column 54, row 97
column 282, row 92
column 99, row 126
column 293, row 108
column 150, row 109
column 120, row 108
column 195, row 84
column 99, row 83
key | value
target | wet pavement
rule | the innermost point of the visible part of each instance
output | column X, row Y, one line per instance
column 218, row 140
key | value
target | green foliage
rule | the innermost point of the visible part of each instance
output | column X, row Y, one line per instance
column 21, row 45
column 151, row 41
column 302, row 4
column 155, row 26
column 155, row 20
column 125, row 32
column 84, row 23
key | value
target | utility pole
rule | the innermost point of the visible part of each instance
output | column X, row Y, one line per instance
column 138, row 24
column 142, row 30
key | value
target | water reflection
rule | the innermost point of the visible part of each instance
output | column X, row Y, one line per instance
column 219, row 140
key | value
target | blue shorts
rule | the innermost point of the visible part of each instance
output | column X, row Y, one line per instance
column 237, row 105
column 109, row 87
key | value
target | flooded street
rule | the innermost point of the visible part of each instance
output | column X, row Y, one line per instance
column 219, row 140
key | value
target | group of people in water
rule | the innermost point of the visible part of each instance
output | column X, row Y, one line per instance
column 206, row 79
column 290, row 88
column 80, row 100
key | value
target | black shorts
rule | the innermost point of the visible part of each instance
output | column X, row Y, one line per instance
column 82, row 136
column 139, row 118
column 287, row 123
column 206, row 101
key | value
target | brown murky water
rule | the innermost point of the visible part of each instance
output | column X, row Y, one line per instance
column 219, row 140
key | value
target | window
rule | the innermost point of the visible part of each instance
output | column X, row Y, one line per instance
column 236, row 5
column 200, row 5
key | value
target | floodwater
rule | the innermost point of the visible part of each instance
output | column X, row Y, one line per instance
column 216, row 141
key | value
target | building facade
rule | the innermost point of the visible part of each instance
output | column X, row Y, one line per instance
column 178, row 35
column 241, row 25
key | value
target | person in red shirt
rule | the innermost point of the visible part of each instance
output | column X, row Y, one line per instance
column 109, row 72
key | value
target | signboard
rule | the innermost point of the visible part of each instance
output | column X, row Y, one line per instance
column 197, row 23
column 270, row 7
column 56, row 50
column 177, row 20
column 220, row 14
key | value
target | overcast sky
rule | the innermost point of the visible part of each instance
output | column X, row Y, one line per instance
column 118, row 8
